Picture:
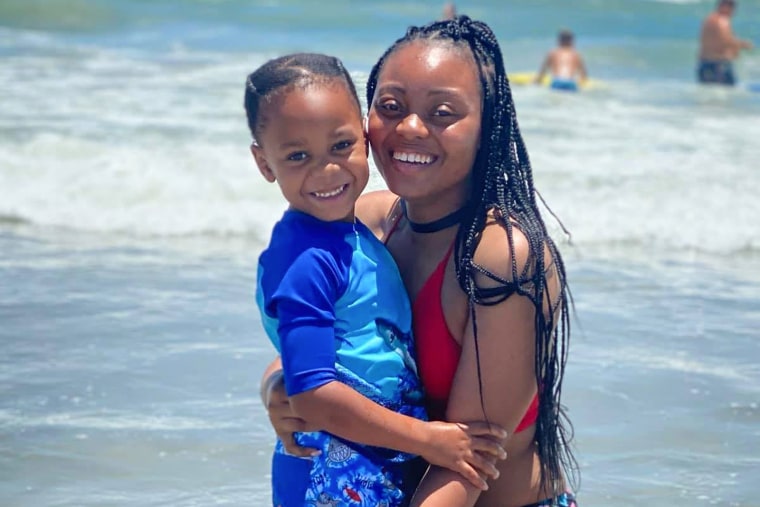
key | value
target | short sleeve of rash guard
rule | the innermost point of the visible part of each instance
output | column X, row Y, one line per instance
column 304, row 303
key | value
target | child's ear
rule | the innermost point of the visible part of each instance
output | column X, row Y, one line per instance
column 261, row 162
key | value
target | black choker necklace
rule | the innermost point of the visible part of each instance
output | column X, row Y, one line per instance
column 452, row 218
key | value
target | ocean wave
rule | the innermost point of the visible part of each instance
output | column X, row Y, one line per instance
column 69, row 15
column 647, row 359
column 111, row 420
column 137, row 142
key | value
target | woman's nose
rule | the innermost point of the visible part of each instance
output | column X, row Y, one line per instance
column 412, row 126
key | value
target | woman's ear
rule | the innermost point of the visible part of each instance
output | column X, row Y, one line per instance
column 261, row 162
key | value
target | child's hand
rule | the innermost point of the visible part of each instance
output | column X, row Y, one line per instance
column 471, row 449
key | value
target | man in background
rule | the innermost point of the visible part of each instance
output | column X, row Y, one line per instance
column 719, row 47
column 449, row 11
column 564, row 63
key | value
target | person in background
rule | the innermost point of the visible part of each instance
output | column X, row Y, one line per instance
column 718, row 46
column 334, row 305
column 461, row 218
column 449, row 11
column 564, row 63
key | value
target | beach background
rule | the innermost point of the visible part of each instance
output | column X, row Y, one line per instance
column 131, row 218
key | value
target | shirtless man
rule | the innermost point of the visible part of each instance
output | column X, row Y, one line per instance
column 564, row 63
column 449, row 11
column 719, row 46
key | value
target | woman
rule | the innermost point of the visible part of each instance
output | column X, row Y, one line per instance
column 486, row 280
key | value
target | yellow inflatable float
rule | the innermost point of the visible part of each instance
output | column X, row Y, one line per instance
column 528, row 78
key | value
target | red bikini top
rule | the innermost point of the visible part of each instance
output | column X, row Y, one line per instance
column 437, row 351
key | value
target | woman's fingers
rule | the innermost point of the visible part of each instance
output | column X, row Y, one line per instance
column 288, row 424
column 285, row 422
column 292, row 448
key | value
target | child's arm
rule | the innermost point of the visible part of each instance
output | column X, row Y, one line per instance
column 304, row 302
column 463, row 448
column 285, row 421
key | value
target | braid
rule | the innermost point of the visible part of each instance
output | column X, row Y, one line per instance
column 502, row 184
column 280, row 74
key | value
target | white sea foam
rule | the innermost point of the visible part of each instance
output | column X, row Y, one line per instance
column 111, row 420
column 103, row 139
column 648, row 359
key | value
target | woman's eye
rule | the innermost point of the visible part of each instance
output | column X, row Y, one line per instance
column 297, row 156
column 390, row 106
column 443, row 112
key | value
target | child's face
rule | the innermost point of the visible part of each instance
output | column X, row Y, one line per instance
column 312, row 144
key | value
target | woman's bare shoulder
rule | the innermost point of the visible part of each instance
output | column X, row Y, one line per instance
column 374, row 210
column 495, row 254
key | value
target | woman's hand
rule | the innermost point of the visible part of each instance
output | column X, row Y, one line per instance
column 281, row 415
column 470, row 449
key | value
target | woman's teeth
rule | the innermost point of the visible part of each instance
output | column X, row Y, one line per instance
column 414, row 158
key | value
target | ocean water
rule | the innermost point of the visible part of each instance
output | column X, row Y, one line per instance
column 131, row 216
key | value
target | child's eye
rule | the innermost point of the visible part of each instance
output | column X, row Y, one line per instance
column 342, row 145
column 297, row 156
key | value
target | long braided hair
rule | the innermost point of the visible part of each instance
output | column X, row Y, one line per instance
column 502, row 187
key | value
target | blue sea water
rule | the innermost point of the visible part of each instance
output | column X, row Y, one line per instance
column 131, row 216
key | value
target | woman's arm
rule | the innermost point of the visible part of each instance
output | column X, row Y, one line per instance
column 505, row 359
column 272, row 376
column 281, row 416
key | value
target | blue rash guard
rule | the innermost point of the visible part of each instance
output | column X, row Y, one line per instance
column 333, row 304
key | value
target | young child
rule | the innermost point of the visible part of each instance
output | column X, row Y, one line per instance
column 333, row 303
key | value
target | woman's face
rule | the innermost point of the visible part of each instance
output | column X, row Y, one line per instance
column 424, row 121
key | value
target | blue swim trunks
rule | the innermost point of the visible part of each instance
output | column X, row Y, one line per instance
column 716, row 72
column 565, row 85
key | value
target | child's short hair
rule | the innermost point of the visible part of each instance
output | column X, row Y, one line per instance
column 298, row 69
